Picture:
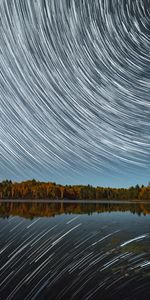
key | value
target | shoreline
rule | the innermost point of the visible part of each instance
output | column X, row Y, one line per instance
column 74, row 201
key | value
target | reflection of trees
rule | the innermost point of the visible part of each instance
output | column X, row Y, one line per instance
column 31, row 210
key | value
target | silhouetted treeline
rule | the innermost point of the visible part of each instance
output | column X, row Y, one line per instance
column 33, row 189
column 38, row 209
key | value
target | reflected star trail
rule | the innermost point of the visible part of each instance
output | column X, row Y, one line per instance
column 84, row 257
column 74, row 86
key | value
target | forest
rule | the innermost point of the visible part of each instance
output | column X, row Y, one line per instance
column 32, row 189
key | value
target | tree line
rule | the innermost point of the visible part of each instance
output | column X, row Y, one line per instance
column 32, row 189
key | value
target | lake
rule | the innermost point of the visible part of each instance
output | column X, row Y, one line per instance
column 74, row 250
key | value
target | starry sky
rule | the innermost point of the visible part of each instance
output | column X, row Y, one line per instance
column 75, row 91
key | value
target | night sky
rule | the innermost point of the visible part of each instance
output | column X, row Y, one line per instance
column 75, row 91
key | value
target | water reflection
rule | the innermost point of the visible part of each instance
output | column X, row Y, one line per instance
column 38, row 209
column 79, row 254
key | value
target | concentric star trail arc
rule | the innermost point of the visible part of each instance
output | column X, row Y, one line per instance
column 74, row 86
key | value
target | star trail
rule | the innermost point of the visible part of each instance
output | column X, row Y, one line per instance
column 74, row 87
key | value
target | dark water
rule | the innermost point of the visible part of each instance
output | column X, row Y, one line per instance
column 87, row 251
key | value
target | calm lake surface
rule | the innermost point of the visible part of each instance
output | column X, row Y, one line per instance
column 74, row 251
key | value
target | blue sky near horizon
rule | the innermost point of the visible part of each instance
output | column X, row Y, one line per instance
column 75, row 91
column 94, row 180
